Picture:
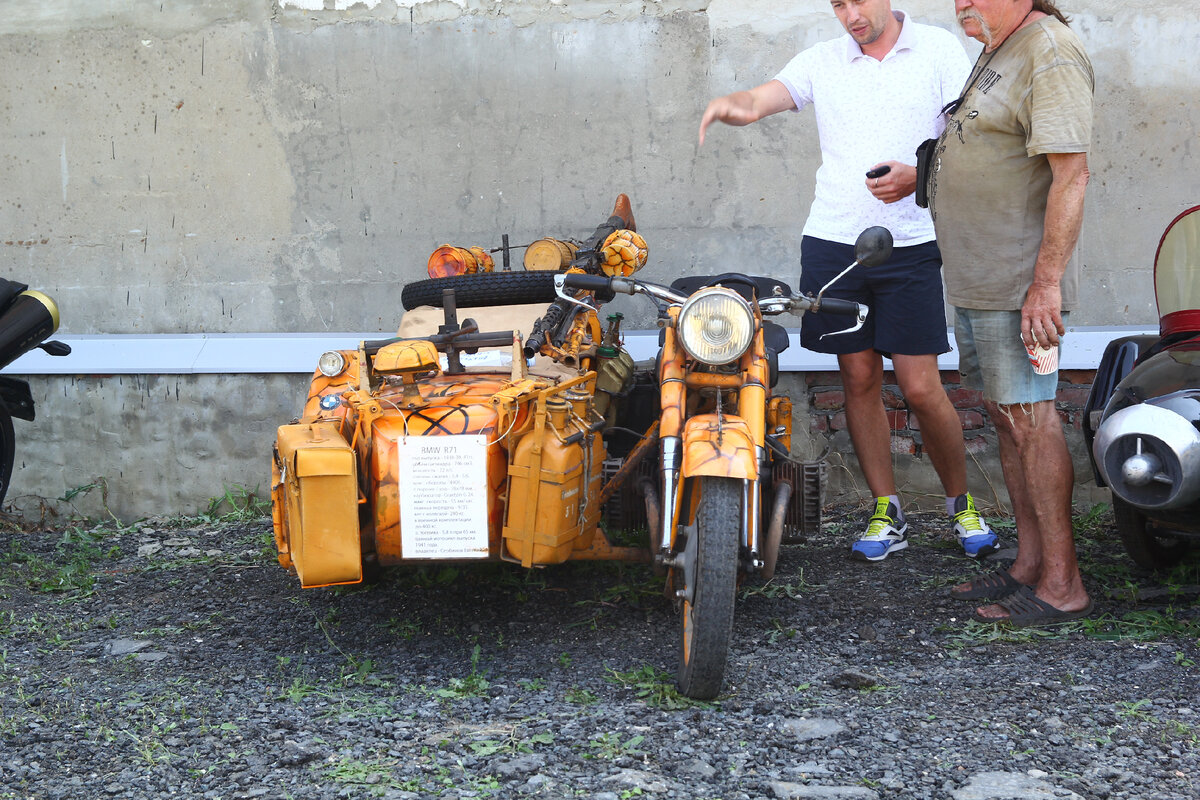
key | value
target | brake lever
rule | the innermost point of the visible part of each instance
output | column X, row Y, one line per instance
column 560, row 289
column 860, row 319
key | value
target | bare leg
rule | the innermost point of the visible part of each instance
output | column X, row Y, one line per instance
column 1039, row 476
column 941, row 429
column 862, row 381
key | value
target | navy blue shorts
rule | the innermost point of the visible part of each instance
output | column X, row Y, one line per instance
column 908, row 313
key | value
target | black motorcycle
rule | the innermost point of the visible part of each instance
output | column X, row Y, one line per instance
column 27, row 318
column 1142, row 419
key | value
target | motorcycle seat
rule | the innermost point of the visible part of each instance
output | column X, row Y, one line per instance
column 746, row 285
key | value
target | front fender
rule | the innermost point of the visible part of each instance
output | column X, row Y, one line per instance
column 720, row 446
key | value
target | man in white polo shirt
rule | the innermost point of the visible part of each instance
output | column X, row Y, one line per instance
column 878, row 93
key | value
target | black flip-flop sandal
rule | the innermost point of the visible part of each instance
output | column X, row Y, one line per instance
column 1025, row 609
column 993, row 587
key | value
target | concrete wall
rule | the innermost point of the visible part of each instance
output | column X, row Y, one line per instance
column 254, row 166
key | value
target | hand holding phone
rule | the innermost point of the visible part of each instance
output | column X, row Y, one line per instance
column 879, row 171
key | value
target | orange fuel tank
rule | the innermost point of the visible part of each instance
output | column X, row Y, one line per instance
column 452, row 406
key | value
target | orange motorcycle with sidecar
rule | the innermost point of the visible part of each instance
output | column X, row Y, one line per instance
column 526, row 434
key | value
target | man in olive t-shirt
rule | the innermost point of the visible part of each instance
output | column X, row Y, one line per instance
column 1006, row 194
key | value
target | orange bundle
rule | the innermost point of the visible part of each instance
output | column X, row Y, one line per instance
column 449, row 260
column 624, row 253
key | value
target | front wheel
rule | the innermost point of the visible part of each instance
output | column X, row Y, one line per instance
column 709, row 586
column 1145, row 544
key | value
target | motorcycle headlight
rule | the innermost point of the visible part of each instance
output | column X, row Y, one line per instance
column 331, row 363
column 716, row 325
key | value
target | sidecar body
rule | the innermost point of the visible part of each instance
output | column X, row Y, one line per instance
column 1142, row 419
column 414, row 449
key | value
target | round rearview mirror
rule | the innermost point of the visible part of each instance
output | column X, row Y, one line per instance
column 874, row 246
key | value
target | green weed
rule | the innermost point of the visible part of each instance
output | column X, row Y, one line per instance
column 404, row 628
column 655, row 688
column 70, row 569
column 780, row 631
column 974, row 633
column 793, row 590
column 512, row 744
column 1142, row 625
column 1135, row 709
column 609, row 746
column 374, row 777
column 580, row 697
column 473, row 685
column 239, row 504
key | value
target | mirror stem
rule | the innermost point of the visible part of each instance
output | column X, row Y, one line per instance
column 835, row 279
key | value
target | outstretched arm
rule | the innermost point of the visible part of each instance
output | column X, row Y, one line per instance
column 742, row 108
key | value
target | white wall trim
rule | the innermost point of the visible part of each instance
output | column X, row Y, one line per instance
column 296, row 353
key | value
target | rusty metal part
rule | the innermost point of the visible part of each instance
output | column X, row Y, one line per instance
column 646, row 445
column 770, row 554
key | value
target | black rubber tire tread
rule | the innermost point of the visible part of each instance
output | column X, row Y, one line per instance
column 1146, row 548
column 8, row 450
column 703, row 654
column 486, row 289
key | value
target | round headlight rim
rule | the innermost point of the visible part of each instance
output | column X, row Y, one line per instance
column 701, row 296
column 339, row 362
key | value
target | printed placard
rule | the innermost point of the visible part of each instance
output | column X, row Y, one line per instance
column 443, row 496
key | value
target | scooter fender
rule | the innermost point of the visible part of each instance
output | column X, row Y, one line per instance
column 720, row 446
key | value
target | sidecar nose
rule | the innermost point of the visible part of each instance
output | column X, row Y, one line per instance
column 1149, row 456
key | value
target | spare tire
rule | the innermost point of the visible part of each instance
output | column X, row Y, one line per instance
column 482, row 289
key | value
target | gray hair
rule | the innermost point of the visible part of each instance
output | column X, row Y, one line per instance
column 1047, row 7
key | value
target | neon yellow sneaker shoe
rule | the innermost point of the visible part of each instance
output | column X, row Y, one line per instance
column 885, row 535
column 976, row 538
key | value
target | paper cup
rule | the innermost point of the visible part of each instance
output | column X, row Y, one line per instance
column 1043, row 359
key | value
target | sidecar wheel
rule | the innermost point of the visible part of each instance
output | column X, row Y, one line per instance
column 7, row 453
column 484, row 289
column 711, row 583
column 1146, row 546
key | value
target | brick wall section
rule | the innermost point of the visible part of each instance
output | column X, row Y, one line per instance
column 827, row 415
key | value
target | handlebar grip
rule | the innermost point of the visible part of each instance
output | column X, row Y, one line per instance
column 833, row 305
column 589, row 283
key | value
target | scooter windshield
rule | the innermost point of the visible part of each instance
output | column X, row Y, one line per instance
column 1177, row 275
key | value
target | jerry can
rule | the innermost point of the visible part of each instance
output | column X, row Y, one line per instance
column 554, row 483
column 614, row 372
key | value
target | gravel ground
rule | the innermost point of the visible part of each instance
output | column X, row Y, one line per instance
column 175, row 658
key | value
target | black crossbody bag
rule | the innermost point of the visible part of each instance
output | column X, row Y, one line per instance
column 925, row 153
column 927, row 149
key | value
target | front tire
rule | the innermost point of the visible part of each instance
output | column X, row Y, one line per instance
column 1144, row 544
column 710, row 586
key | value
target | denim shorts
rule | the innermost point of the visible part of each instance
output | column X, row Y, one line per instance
column 908, row 312
column 992, row 358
